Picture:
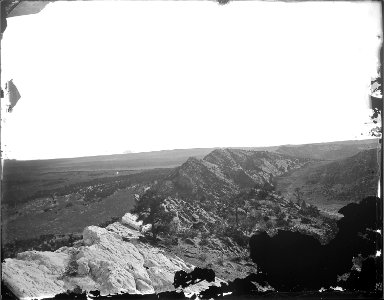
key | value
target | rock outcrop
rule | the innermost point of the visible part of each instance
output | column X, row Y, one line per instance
column 130, row 220
column 224, row 172
column 111, row 260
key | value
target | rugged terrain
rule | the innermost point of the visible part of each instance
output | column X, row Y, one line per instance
column 219, row 199
column 332, row 184
column 52, row 201
column 98, row 197
column 110, row 260
column 225, row 172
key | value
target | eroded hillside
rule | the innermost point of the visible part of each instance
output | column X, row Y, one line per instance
column 332, row 184
column 225, row 172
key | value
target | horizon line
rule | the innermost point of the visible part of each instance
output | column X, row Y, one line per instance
column 183, row 149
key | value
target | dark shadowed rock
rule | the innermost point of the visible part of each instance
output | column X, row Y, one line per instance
column 290, row 260
column 293, row 261
column 190, row 241
column 185, row 279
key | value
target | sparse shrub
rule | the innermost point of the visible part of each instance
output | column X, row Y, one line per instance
column 47, row 242
column 303, row 205
column 170, row 241
column 204, row 239
column 298, row 193
column 248, row 224
column 240, row 257
column 200, row 225
column 237, row 235
column 267, row 187
column 262, row 194
column 71, row 269
column 269, row 224
column 219, row 229
column 276, row 210
column 309, row 210
column 210, row 227
column 182, row 234
column 220, row 261
column 204, row 242
column 108, row 222
column 77, row 290
column 236, row 259
column 332, row 224
column 203, row 256
column 187, row 233
column 193, row 233
column 281, row 222
column 255, row 204
column 151, row 210
column 281, row 215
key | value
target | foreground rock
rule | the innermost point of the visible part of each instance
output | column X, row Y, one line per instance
column 107, row 260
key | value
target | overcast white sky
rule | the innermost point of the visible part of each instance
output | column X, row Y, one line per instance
column 104, row 77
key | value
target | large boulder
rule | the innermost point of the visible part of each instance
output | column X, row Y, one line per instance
column 131, row 220
column 105, row 262
column 35, row 274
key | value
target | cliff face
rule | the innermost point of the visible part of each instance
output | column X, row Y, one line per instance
column 111, row 260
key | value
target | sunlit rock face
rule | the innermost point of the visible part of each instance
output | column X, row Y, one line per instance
column 35, row 274
column 106, row 260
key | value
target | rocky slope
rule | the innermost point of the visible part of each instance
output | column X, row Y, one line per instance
column 111, row 260
column 350, row 179
column 335, row 183
column 224, row 172
column 213, row 223
column 203, row 194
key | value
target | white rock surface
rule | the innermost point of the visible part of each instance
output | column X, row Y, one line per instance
column 35, row 274
column 146, row 228
column 123, row 231
column 104, row 262
column 131, row 220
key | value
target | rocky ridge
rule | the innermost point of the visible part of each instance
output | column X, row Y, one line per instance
column 224, row 172
column 203, row 194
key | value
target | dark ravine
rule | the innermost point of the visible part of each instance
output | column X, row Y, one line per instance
column 294, row 262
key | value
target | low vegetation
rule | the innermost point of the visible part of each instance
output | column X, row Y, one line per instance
column 48, row 242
